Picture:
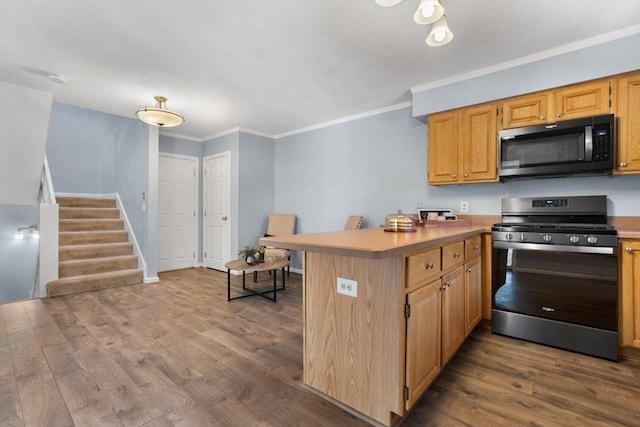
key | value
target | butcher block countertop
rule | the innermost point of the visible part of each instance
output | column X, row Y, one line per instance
column 371, row 242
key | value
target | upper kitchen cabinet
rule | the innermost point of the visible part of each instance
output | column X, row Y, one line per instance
column 565, row 103
column 628, row 114
column 526, row 110
column 462, row 145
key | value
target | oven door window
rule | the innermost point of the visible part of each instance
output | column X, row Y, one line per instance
column 569, row 287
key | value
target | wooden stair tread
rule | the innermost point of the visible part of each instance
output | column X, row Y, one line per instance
column 94, row 282
column 71, row 201
column 98, row 259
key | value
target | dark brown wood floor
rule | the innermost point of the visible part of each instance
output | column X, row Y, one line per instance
column 176, row 353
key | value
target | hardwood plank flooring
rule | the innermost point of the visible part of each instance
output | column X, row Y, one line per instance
column 176, row 353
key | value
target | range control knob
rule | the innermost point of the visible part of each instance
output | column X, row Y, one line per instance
column 509, row 236
column 523, row 237
column 546, row 237
column 592, row 239
column 574, row 239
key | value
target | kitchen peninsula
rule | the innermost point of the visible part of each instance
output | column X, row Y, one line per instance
column 384, row 311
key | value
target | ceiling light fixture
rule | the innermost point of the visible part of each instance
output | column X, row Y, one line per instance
column 429, row 12
column 159, row 115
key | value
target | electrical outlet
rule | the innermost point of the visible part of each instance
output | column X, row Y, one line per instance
column 464, row 206
column 347, row 287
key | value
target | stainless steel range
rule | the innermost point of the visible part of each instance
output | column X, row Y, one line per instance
column 554, row 274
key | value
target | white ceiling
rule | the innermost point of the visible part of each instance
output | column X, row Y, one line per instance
column 275, row 66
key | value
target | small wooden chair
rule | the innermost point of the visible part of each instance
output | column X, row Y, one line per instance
column 280, row 224
column 353, row 222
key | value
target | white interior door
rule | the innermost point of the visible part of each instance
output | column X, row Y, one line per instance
column 177, row 207
column 216, row 216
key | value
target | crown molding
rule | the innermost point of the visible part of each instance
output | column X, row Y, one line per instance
column 560, row 50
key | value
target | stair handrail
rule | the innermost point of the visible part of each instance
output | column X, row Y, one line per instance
column 46, row 184
column 48, row 231
column 137, row 251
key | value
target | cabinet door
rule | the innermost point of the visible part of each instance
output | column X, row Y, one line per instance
column 478, row 143
column 628, row 114
column 452, row 313
column 423, row 339
column 472, row 294
column 442, row 147
column 630, row 299
column 582, row 100
column 526, row 110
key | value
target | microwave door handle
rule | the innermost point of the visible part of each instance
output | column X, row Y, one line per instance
column 588, row 143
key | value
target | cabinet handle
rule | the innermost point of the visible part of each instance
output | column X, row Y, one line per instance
column 444, row 287
column 629, row 249
column 454, row 176
column 456, row 255
column 429, row 265
column 468, row 270
column 623, row 165
column 542, row 117
column 466, row 175
column 559, row 115
column 476, row 247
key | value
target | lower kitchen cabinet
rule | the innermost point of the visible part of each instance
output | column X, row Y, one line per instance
column 472, row 294
column 630, row 292
column 452, row 312
column 423, row 340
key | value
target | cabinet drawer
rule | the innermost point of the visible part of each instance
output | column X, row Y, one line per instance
column 452, row 254
column 472, row 248
column 423, row 266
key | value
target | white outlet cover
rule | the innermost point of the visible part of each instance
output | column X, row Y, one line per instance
column 347, row 287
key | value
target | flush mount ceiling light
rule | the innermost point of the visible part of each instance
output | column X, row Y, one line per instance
column 429, row 12
column 159, row 115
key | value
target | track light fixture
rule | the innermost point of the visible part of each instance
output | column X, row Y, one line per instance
column 429, row 12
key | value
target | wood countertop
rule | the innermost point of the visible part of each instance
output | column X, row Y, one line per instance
column 371, row 242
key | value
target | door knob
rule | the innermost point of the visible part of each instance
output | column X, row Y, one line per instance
column 224, row 218
column 629, row 250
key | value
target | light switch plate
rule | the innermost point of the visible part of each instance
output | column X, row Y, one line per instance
column 347, row 287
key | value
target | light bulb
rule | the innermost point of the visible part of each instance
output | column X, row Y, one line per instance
column 439, row 36
column 428, row 10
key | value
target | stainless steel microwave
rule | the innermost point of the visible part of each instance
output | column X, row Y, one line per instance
column 573, row 147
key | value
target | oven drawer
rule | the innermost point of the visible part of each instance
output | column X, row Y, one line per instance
column 452, row 255
column 423, row 267
column 472, row 248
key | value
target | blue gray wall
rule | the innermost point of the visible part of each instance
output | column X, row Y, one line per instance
column 91, row 152
column 18, row 258
column 256, row 187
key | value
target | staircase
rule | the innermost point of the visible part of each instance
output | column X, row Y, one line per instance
column 94, row 248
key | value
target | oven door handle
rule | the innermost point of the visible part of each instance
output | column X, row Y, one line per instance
column 555, row 248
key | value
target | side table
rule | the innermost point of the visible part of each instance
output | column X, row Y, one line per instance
column 241, row 265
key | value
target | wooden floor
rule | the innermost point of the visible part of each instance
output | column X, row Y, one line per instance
column 176, row 353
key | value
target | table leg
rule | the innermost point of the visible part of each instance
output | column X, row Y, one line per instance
column 275, row 276
column 282, row 278
column 228, row 284
column 244, row 286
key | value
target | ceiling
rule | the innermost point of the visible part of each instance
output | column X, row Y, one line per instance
column 275, row 66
